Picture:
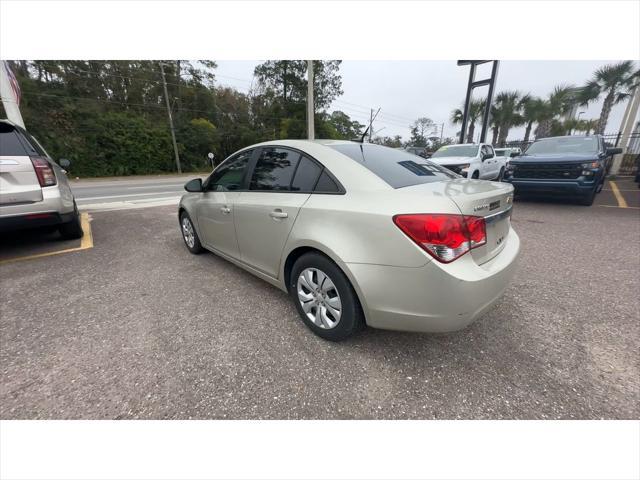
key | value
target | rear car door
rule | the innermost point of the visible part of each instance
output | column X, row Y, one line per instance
column 280, row 184
column 18, row 180
column 215, row 207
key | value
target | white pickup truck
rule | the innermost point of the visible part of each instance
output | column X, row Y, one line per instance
column 471, row 160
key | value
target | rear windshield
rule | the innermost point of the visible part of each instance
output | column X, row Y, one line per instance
column 565, row 145
column 10, row 144
column 396, row 167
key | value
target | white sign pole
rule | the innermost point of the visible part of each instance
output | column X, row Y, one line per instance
column 10, row 93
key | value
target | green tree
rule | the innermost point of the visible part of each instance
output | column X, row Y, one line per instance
column 560, row 101
column 506, row 113
column 393, row 142
column 531, row 110
column 420, row 130
column 476, row 110
column 615, row 82
column 346, row 128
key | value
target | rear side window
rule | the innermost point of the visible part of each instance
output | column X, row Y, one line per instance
column 274, row 169
column 326, row 184
column 306, row 175
column 10, row 144
column 396, row 167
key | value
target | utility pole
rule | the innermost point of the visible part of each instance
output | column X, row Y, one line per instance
column 370, row 125
column 173, row 133
column 634, row 104
column 310, row 108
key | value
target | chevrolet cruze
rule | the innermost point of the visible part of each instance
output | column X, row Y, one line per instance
column 357, row 234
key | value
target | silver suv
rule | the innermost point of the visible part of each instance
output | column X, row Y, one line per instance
column 34, row 191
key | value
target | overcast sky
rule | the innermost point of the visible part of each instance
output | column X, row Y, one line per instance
column 406, row 90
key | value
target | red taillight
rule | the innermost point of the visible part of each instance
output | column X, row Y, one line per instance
column 445, row 237
column 44, row 172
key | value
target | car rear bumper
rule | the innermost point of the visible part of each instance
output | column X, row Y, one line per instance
column 434, row 297
column 57, row 202
column 34, row 220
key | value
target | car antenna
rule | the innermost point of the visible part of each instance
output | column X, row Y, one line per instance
column 368, row 127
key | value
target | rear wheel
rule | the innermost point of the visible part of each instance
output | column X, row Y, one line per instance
column 500, row 175
column 72, row 230
column 325, row 298
column 189, row 234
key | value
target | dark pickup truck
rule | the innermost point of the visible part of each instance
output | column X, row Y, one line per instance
column 570, row 166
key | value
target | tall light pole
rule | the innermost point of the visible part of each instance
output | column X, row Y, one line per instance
column 173, row 133
column 577, row 120
column 310, row 109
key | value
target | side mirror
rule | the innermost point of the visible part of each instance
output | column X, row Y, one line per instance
column 485, row 156
column 64, row 163
column 613, row 151
column 194, row 185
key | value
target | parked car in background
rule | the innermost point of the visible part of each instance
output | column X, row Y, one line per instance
column 34, row 191
column 508, row 153
column 471, row 160
column 572, row 165
column 357, row 233
column 420, row 151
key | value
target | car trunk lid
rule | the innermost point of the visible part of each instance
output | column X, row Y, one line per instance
column 18, row 181
column 491, row 200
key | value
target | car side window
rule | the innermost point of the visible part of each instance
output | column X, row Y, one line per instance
column 229, row 176
column 326, row 184
column 306, row 175
column 487, row 149
column 274, row 170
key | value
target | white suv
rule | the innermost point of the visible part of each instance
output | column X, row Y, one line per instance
column 471, row 160
column 34, row 191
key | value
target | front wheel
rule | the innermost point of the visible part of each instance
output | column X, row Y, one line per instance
column 324, row 298
column 189, row 234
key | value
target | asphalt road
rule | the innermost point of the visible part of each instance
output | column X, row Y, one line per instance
column 136, row 327
column 129, row 192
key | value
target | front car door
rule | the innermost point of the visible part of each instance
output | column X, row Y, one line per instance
column 215, row 207
column 280, row 184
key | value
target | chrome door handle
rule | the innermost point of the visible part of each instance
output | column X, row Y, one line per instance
column 225, row 210
column 278, row 214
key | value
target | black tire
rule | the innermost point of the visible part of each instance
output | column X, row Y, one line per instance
column 72, row 230
column 588, row 199
column 196, row 247
column 476, row 174
column 351, row 319
column 500, row 175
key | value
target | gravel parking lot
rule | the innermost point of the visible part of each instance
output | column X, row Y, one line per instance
column 136, row 327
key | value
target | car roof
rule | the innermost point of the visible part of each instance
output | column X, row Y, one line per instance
column 566, row 136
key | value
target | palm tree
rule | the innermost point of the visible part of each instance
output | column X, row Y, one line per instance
column 587, row 125
column 560, row 102
column 531, row 110
column 476, row 109
column 615, row 81
column 506, row 113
